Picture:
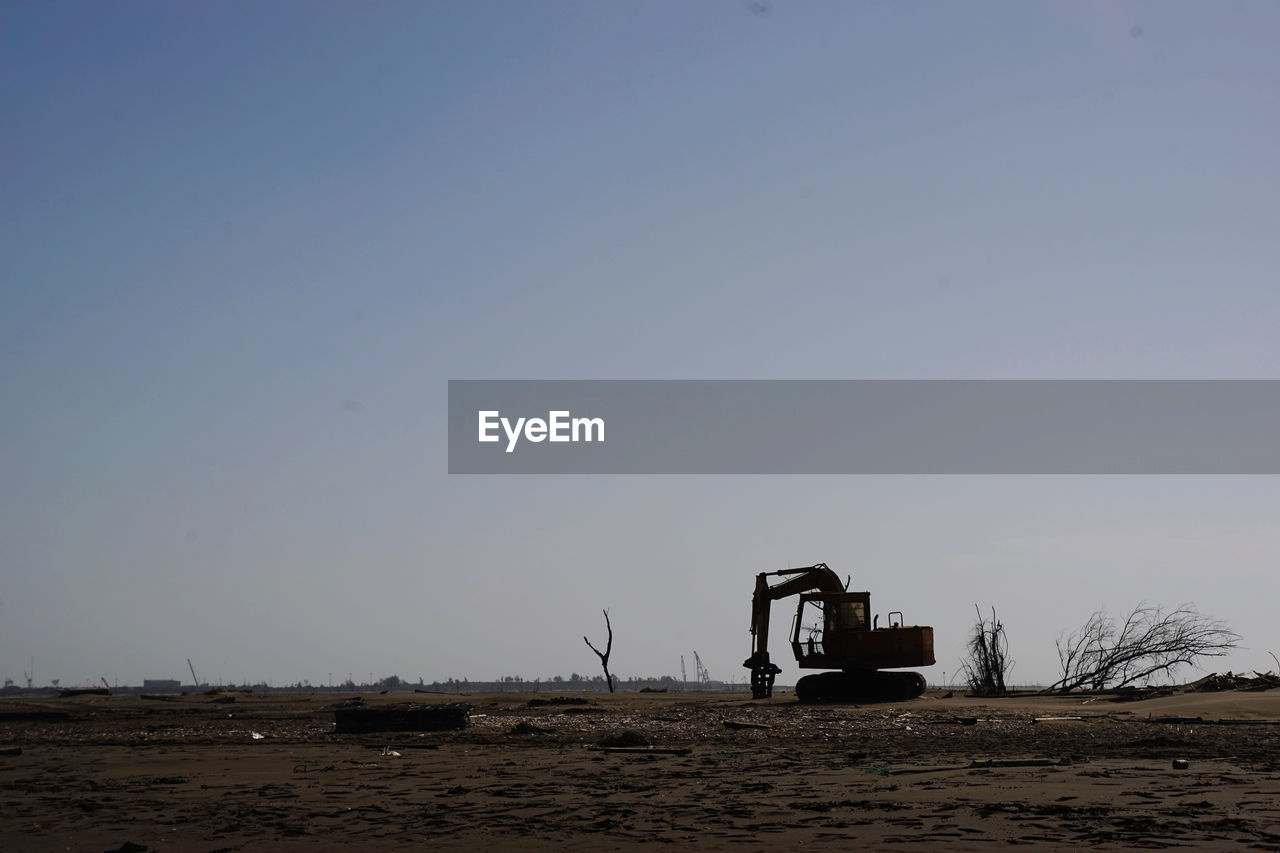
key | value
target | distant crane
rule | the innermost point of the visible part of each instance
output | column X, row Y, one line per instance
column 195, row 681
column 684, row 676
column 703, row 675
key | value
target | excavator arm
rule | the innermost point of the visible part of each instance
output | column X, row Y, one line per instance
column 817, row 577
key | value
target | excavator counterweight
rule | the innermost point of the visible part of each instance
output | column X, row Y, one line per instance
column 833, row 629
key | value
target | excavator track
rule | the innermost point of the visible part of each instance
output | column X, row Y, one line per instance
column 860, row 686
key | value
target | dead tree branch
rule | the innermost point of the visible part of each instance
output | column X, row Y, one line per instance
column 1149, row 641
column 608, row 649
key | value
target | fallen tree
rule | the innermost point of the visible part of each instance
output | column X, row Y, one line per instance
column 1106, row 654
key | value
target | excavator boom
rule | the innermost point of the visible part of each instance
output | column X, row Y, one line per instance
column 818, row 576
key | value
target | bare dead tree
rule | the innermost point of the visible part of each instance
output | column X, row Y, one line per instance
column 608, row 649
column 988, row 659
column 1149, row 641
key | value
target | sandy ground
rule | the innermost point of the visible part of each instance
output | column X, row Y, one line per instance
column 940, row 772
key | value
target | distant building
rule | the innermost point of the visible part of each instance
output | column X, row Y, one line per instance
column 161, row 684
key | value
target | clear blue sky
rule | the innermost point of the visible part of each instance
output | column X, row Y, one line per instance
column 245, row 245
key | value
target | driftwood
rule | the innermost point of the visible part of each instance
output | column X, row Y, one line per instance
column 734, row 724
column 977, row 763
column 912, row 771
column 1019, row 762
column 643, row 750
column 403, row 717
column 1201, row 721
column 1175, row 719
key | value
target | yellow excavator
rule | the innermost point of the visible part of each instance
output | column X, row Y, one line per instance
column 833, row 629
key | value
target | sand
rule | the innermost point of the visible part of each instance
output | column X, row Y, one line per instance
column 939, row 772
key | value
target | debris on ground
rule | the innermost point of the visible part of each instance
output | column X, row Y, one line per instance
column 627, row 738
column 1215, row 682
column 402, row 717
column 645, row 750
column 557, row 700
column 128, row 847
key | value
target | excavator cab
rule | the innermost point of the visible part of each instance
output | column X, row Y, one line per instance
column 821, row 615
column 836, row 635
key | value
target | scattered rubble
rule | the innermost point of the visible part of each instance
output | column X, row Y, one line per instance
column 557, row 700
column 401, row 717
column 626, row 739
column 1215, row 682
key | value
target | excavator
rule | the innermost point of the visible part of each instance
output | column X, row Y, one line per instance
column 838, row 634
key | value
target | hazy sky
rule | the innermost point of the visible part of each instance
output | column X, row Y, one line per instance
column 244, row 246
